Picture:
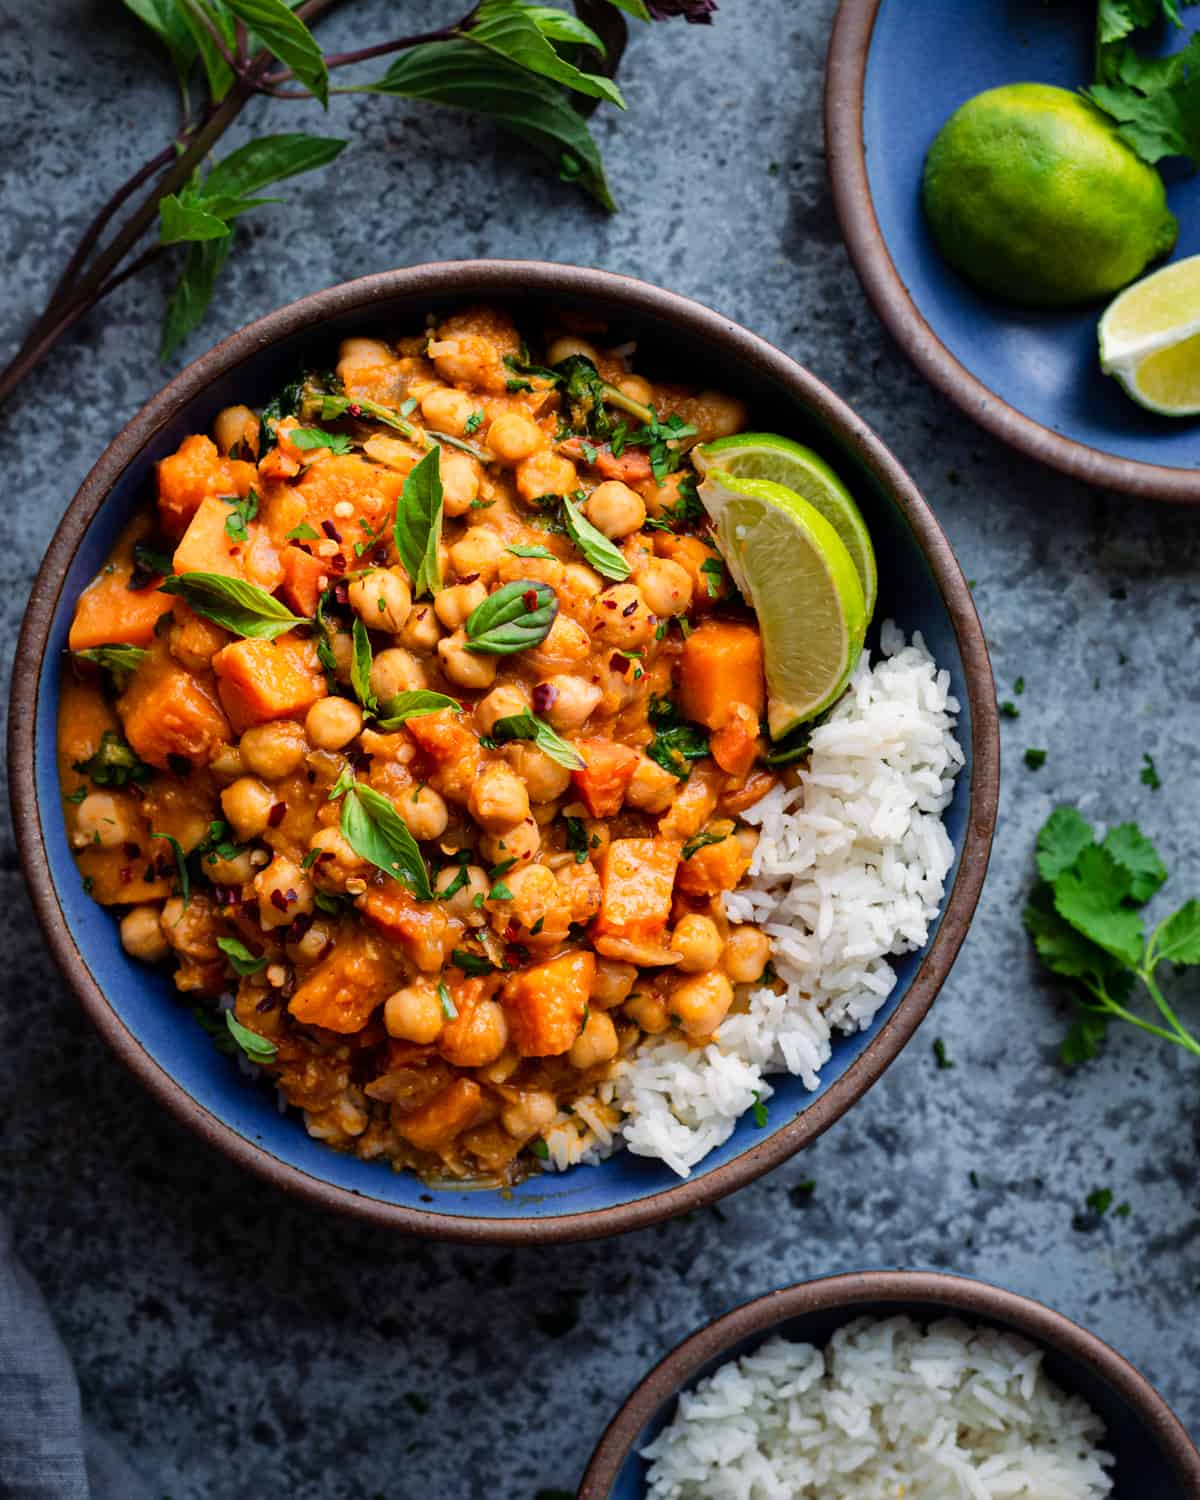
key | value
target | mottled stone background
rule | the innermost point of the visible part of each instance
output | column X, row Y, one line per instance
column 234, row 1343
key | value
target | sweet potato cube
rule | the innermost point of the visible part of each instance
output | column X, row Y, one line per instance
column 193, row 474
column 166, row 711
column 714, row 868
column 437, row 1125
column 344, row 989
column 545, row 1004
column 302, row 579
column 370, row 491
column 109, row 611
column 206, row 546
column 418, row 927
column 262, row 680
column 637, row 877
column 736, row 744
column 721, row 664
column 605, row 778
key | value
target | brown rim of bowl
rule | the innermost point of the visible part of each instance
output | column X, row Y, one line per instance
column 959, row 1294
column 478, row 279
column 845, row 78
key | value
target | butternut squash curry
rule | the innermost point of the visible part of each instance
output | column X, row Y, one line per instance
column 411, row 724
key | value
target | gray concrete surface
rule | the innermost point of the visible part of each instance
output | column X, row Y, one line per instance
column 235, row 1344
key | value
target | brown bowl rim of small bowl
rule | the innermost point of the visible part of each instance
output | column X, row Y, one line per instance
column 963, row 1295
column 538, row 280
column 845, row 152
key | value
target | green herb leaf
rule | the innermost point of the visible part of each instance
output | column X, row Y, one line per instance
column 181, row 220
column 449, row 1009
column 1134, row 852
column 413, row 705
column 527, row 726
column 1177, row 940
column 471, row 963
column 703, row 840
column 269, row 159
column 760, row 1112
column 257, row 1048
column 1149, row 774
column 333, row 407
column 346, row 782
column 241, row 607
column 360, row 667
column 540, row 1149
column 515, row 617
column 113, row 763
column 217, row 70
column 1063, row 838
column 1035, row 759
column 242, row 512
column 118, row 659
column 506, row 27
column 940, row 1055
column 595, row 546
column 185, row 883
column 302, row 533
column 561, row 26
column 519, row 551
column 284, row 34
column 1082, row 1041
column 500, row 892
column 189, row 301
column 316, row 437
column 376, row 832
column 240, row 957
column 418, row 528
column 166, row 21
column 675, row 743
column 1089, row 896
column 1100, row 1200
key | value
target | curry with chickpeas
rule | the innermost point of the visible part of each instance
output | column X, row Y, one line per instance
column 411, row 724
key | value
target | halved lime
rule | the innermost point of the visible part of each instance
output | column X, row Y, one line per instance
column 796, row 573
column 766, row 455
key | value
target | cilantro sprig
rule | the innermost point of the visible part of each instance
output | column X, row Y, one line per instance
column 1154, row 101
column 1085, row 918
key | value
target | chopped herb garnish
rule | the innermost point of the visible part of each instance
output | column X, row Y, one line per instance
column 449, row 1009
column 257, row 1048
column 577, row 839
column 473, row 423
column 185, row 883
column 316, row 437
column 119, row 659
column 714, row 575
column 500, row 892
column 1035, row 759
column 471, row 963
column 241, row 513
column 1148, row 775
column 760, row 1112
column 1019, row 686
column 676, row 743
column 240, row 957
column 302, row 533
column 1100, row 1200
column 414, row 704
column 361, row 659
column 114, row 763
column 940, row 1054
column 703, row 840
column 540, row 1149
column 1009, row 709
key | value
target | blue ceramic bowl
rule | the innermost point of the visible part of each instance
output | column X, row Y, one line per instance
column 137, row 1010
column 1156, row 1460
column 897, row 70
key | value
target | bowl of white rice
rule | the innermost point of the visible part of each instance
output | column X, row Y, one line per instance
column 894, row 1385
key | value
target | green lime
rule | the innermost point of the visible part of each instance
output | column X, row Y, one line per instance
column 1032, row 195
column 766, row 455
column 796, row 573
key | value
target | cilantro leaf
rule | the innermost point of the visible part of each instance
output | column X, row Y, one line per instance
column 1090, row 895
column 1177, row 940
column 1134, row 852
column 1064, row 837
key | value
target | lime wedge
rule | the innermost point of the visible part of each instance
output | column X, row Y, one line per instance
column 766, row 455
column 1150, row 339
column 796, row 573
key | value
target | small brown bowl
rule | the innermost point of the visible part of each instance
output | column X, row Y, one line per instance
column 1155, row 1457
column 136, row 1009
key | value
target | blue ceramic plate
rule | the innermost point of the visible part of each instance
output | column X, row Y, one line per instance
column 897, row 70
column 1155, row 1458
column 138, row 1010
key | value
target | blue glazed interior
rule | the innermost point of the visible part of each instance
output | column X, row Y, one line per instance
column 922, row 66
column 146, row 1001
column 1142, row 1470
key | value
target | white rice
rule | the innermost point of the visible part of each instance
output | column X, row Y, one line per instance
column 886, row 1412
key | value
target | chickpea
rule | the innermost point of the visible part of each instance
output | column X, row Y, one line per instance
column 460, row 482
column 581, row 887
column 283, row 879
column 659, row 497
column 596, row 1043
column 331, row 723
column 342, row 863
column 512, row 437
column 652, row 789
column 579, row 587
column 529, row 1113
column 423, row 811
column 414, row 1014
column 636, row 389
column 226, row 765
column 395, row 671
column 544, row 778
column 566, row 645
column 746, row 953
column 574, row 701
column 189, row 929
column 545, row 473
column 498, row 798
column 142, row 935
column 537, row 898
column 620, row 617
column 747, row 838
column 235, row 871
column 247, row 804
column 701, row 1003
column 420, row 632
column 476, row 1037
column 520, row 842
column 462, row 903
column 479, row 552
column 235, row 431
column 615, row 509
column 341, row 643
column 453, row 605
column 448, row 410
column 539, row 569
column 567, row 344
column 466, row 669
column 103, row 820
column 358, row 357
column 722, row 416
column 501, row 703
column 666, row 586
column 273, row 751
column 612, row 983
column 382, row 598
column 649, row 1012
column 313, row 944
column 699, row 941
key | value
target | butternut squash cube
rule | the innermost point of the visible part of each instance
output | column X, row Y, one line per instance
column 637, row 877
column 545, row 1004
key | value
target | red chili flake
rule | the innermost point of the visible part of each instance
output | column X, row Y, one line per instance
column 337, row 564
column 629, row 609
column 132, row 850
column 331, row 531
column 512, row 932
column 618, row 663
column 354, row 409
column 341, row 591
column 277, row 814
column 543, row 697
column 126, row 874
column 529, row 599
column 469, row 578
column 268, row 1002
column 279, row 900
column 609, row 603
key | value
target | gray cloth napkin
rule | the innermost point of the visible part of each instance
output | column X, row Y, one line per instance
column 47, row 1450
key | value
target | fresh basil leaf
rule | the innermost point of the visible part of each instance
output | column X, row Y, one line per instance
column 518, row 551
column 465, row 76
column 113, row 763
column 313, row 437
column 302, row 533
column 561, row 26
column 189, row 301
column 185, row 882
column 413, row 705
column 180, row 220
column 218, row 71
column 418, row 528
column 595, row 546
column 167, row 22
column 240, row 957
column 346, row 782
column 527, row 726
column 360, row 667
column 257, row 1048
column 241, row 514
column 285, row 35
column 376, row 832
column 269, row 159
column 506, row 27
column 515, row 617
column 116, row 659
column 471, row 963
column 233, row 603
column 449, row 1009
